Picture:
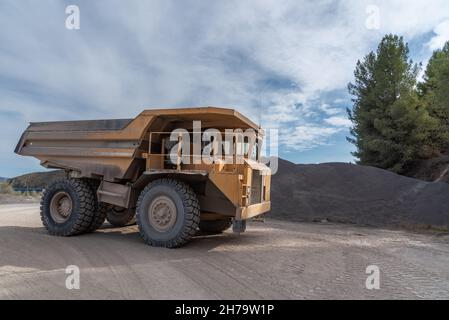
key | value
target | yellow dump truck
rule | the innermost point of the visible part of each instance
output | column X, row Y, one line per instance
column 176, row 171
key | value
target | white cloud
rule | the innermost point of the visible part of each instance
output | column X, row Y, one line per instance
column 441, row 36
column 338, row 121
column 327, row 109
column 306, row 137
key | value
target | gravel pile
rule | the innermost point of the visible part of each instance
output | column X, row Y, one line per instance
column 341, row 192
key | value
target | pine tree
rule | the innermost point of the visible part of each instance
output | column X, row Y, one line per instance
column 390, row 127
column 434, row 93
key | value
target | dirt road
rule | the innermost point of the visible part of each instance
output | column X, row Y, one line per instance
column 272, row 260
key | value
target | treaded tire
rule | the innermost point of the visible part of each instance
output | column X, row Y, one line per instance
column 101, row 209
column 215, row 226
column 83, row 206
column 187, row 213
column 121, row 218
column 99, row 217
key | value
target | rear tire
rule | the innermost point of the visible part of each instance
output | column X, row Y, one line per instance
column 67, row 207
column 121, row 217
column 168, row 213
column 215, row 226
column 101, row 209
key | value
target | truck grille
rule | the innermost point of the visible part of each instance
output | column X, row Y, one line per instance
column 256, row 187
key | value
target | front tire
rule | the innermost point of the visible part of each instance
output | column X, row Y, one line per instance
column 67, row 207
column 168, row 213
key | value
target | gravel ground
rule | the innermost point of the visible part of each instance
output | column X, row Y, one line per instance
column 272, row 260
column 14, row 199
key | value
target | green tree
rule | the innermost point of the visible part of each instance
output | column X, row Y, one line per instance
column 434, row 93
column 390, row 127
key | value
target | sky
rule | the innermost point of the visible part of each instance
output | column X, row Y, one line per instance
column 284, row 64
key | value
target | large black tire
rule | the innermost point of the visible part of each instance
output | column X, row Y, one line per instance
column 168, row 213
column 99, row 217
column 67, row 207
column 121, row 217
column 101, row 209
column 215, row 226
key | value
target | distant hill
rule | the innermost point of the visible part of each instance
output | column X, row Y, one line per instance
column 36, row 180
column 2, row 179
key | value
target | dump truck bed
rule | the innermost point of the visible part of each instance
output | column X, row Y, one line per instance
column 112, row 149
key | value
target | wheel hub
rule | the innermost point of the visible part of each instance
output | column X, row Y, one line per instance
column 61, row 207
column 162, row 213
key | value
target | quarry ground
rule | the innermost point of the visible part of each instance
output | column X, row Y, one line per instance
column 272, row 260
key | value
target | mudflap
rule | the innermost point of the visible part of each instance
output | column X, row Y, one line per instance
column 239, row 226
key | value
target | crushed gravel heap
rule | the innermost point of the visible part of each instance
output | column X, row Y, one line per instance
column 348, row 193
column 434, row 169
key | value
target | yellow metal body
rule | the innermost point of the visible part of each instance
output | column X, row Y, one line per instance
column 126, row 154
